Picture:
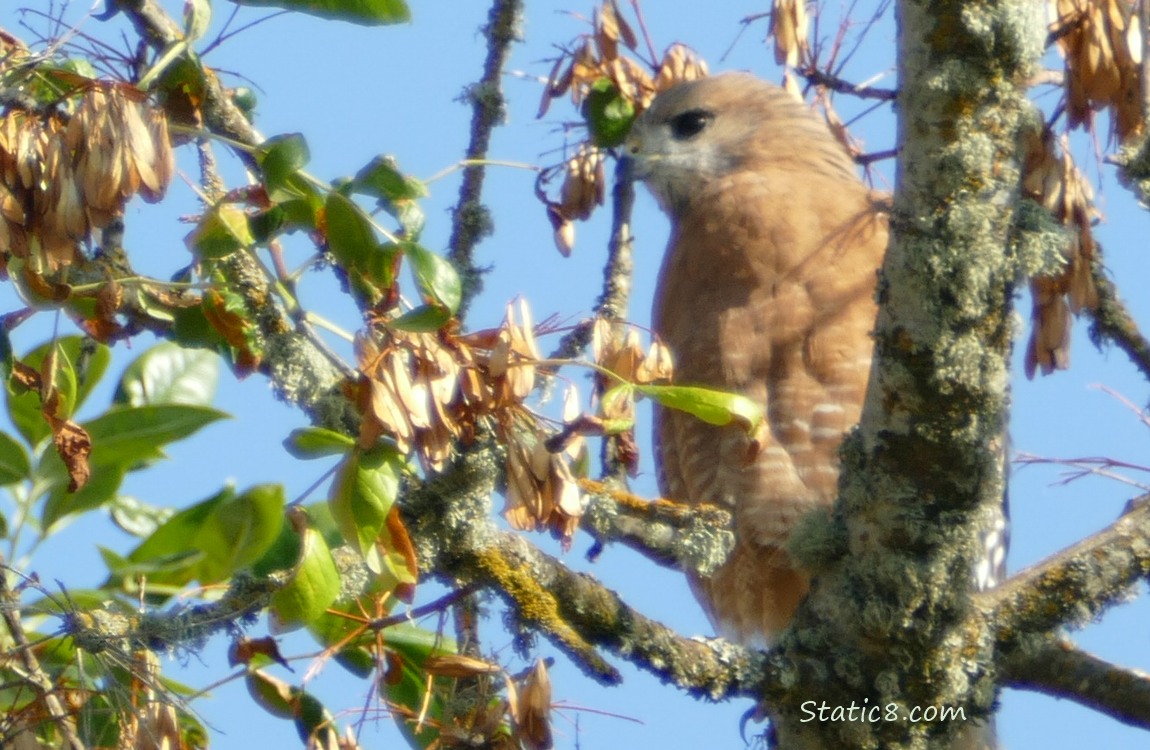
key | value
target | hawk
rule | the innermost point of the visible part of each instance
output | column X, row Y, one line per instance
column 766, row 289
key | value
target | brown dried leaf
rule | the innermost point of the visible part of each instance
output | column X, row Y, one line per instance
column 789, row 27
column 584, row 184
column 657, row 365
column 74, row 446
column 458, row 665
column 680, row 64
column 243, row 650
column 399, row 541
column 533, row 717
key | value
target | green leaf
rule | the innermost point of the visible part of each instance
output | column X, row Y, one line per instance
column 317, row 442
column 239, row 531
column 711, row 406
column 423, row 319
column 197, row 18
column 362, row 493
column 608, row 114
column 363, row 12
column 14, row 463
column 396, row 192
column 222, row 231
column 170, row 374
column 281, row 158
column 381, row 178
column 313, row 722
column 436, row 277
column 126, row 435
column 138, row 518
column 413, row 645
column 350, row 235
column 90, row 360
column 312, row 588
column 176, row 536
column 101, row 488
column 220, row 535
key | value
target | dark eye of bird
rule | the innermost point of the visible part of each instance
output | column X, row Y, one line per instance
column 690, row 124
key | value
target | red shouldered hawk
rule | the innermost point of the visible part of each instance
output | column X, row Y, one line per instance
column 767, row 289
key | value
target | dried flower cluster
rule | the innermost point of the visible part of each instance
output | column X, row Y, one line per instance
column 1102, row 45
column 61, row 177
column 594, row 62
column 1052, row 179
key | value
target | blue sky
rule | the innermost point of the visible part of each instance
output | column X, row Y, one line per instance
column 356, row 93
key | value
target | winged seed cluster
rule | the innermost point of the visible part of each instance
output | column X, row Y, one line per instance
column 64, row 174
column 429, row 391
column 595, row 70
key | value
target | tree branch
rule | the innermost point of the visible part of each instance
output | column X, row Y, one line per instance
column 450, row 523
column 822, row 78
column 221, row 115
column 694, row 538
column 598, row 616
column 471, row 221
column 616, row 293
column 1060, row 669
column 1112, row 321
column 1075, row 585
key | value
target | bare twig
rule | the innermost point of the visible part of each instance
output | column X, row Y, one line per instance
column 40, row 682
column 834, row 83
column 471, row 221
column 616, row 293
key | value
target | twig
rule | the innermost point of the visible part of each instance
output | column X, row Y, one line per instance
column 1060, row 669
column 834, row 83
column 39, row 680
column 613, row 300
column 867, row 159
column 1086, row 578
column 675, row 535
column 440, row 604
column 1111, row 321
column 471, row 221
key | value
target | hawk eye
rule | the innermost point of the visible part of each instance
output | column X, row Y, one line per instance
column 690, row 124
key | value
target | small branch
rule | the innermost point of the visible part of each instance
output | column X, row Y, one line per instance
column 1075, row 585
column 834, row 83
column 97, row 630
column 616, row 293
column 866, row 160
column 1059, row 669
column 1111, row 321
column 471, row 220
column 441, row 604
column 684, row 537
column 40, row 682
column 597, row 616
column 449, row 517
